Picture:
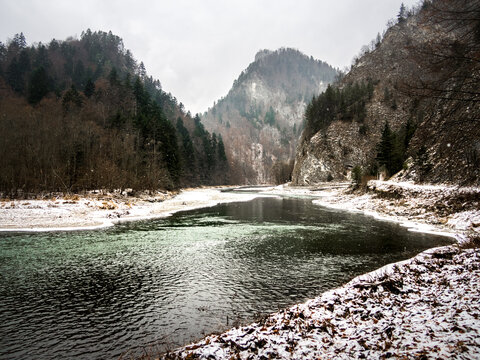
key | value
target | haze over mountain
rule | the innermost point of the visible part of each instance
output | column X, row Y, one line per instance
column 197, row 48
column 261, row 117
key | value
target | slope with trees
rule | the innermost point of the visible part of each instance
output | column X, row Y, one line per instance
column 82, row 114
column 261, row 117
column 418, row 114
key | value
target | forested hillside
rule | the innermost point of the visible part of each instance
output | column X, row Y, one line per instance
column 261, row 117
column 82, row 114
column 409, row 105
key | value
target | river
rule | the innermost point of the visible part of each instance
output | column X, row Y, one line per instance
column 98, row 294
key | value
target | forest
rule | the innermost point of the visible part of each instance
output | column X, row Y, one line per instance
column 82, row 114
column 347, row 104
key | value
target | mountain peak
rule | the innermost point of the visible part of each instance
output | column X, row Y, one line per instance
column 262, row 54
column 262, row 115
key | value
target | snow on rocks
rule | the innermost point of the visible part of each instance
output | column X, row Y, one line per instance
column 425, row 307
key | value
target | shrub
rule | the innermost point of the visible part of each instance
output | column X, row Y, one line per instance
column 357, row 175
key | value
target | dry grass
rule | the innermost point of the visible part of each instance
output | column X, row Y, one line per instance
column 108, row 205
column 71, row 197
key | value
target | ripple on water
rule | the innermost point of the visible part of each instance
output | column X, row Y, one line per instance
column 96, row 294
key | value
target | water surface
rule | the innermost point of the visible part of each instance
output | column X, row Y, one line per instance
column 97, row 294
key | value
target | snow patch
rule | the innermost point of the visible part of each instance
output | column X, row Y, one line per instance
column 94, row 213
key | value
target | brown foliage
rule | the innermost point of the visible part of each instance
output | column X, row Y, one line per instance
column 46, row 149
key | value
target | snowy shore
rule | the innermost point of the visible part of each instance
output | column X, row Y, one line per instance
column 99, row 210
column 443, row 209
column 425, row 307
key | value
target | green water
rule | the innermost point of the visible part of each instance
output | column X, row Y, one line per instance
column 98, row 294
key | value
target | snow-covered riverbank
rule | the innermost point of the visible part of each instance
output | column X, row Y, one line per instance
column 422, row 207
column 425, row 307
column 442, row 209
column 97, row 210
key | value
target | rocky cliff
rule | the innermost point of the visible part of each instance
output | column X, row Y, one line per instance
column 261, row 117
column 421, row 111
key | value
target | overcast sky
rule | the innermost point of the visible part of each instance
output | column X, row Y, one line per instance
column 196, row 48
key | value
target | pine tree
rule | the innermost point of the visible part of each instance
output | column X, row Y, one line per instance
column 38, row 87
column 71, row 96
column 3, row 52
column 199, row 128
column 78, row 75
column 402, row 14
column 20, row 40
column 14, row 77
column 385, row 149
column 357, row 175
column 41, row 57
column 16, row 71
column 18, row 43
column 141, row 70
column 113, row 76
column 213, row 154
column 391, row 150
column 378, row 40
column 270, row 117
column 89, row 88
column 169, row 145
column 222, row 156
column 187, row 150
column 141, row 96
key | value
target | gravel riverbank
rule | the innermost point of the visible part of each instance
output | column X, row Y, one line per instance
column 100, row 209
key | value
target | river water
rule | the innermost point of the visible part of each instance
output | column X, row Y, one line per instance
column 98, row 294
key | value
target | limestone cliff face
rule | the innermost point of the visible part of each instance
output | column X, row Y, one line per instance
column 425, row 81
column 261, row 118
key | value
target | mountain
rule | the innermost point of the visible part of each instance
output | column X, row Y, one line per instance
column 261, row 117
column 409, row 107
column 83, row 114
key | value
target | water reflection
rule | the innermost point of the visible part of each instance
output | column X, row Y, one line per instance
column 95, row 294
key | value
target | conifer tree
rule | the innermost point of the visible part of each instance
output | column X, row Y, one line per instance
column 402, row 14
column 3, row 52
column 18, row 43
column 222, row 156
column 71, row 96
column 38, row 87
column 113, row 76
column 14, row 78
column 187, row 150
column 78, row 76
column 391, row 150
column 385, row 149
column 89, row 88
column 378, row 40
column 41, row 57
